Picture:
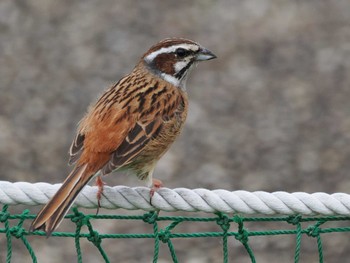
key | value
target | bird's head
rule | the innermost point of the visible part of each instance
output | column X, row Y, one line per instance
column 172, row 59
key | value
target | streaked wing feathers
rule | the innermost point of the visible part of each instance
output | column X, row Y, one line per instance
column 134, row 142
column 127, row 117
column 76, row 148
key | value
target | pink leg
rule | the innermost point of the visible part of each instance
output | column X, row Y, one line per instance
column 156, row 184
column 100, row 184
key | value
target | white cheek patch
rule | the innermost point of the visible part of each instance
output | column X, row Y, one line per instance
column 180, row 65
column 171, row 79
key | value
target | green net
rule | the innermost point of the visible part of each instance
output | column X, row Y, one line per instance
column 229, row 229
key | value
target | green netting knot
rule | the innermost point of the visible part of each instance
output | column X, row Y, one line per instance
column 223, row 221
column 294, row 219
column 17, row 231
column 150, row 217
column 95, row 238
column 164, row 235
column 4, row 215
column 79, row 218
column 313, row 231
column 242, row 233
column 237, row 219
column 242, row 236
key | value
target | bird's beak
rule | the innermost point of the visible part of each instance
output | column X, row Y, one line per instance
column 204, row 54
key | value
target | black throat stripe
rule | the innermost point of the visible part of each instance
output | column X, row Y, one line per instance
column 182, row 71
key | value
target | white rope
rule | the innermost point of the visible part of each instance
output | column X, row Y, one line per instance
column 182, row 199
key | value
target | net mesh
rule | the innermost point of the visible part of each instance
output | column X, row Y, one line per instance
column 230, row 228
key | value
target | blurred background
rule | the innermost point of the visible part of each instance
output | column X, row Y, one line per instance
column 270, row 113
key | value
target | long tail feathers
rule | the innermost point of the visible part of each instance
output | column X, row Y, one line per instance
column 51, row 215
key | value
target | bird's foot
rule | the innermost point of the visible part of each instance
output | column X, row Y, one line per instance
column 156, row 184
column 100, row 184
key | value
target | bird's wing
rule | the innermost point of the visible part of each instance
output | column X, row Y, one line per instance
column 137, row 138
column 76, row 148
column 123, row 121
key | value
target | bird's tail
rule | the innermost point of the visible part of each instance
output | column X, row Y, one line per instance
column 51, row 215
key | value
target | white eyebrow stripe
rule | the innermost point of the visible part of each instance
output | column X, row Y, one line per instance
column 170, row 49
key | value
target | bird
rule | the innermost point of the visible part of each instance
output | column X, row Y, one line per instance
column 131, row 125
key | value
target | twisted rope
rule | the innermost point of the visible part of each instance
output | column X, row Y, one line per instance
column 182, row 199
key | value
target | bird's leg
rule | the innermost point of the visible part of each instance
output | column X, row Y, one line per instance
column 156, row 184
column 100, row 184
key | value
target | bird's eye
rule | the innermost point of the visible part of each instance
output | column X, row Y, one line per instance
column 181, row 52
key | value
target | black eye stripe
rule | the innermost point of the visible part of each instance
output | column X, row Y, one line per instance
column 181, row 52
